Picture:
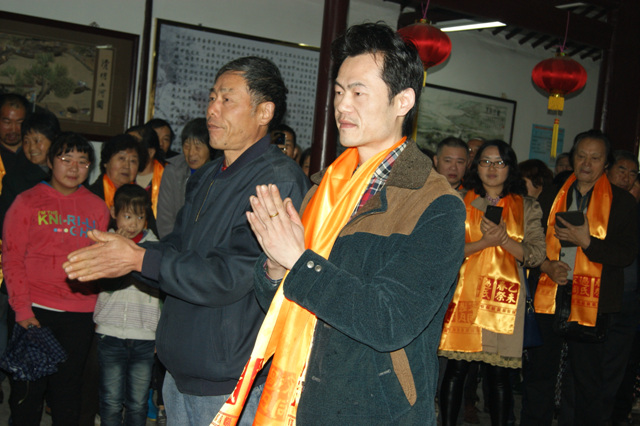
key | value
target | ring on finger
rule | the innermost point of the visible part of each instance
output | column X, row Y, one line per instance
column 274, row 215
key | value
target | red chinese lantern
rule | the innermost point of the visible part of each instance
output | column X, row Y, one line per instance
column 433, row 45
column 558, row 76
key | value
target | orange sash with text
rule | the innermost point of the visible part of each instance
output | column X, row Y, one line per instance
column 287, row 330
column 586, row 274
column 488, row 284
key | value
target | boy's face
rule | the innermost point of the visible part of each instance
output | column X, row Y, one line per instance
column 68, row 171
column 129, row 222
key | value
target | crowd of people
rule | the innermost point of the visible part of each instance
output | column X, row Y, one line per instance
column 242, row 289
column 581, row 277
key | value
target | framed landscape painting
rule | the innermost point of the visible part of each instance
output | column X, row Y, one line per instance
column 445, row 112
column 83, row 74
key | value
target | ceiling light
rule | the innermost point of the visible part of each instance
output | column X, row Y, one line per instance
column 474, row 26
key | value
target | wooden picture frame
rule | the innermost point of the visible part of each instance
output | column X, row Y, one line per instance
column 84, row 75
column 445, row 112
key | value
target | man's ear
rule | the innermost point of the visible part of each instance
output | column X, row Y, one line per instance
column 112, row 210
column 406, row 100
column 265, row 112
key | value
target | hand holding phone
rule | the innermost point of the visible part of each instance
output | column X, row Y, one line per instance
column 493, row 213
column 575, row 218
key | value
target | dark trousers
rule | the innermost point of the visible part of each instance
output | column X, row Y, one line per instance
column 624, row 398
column 539, row 373
column 591, row 366
column 452, row 389
column 62, row 389
column 618, row 344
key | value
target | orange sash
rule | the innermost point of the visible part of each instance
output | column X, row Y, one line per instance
column 158, row 170
column 109, row 190
column 2, row 172
column 489, row 283
column 287, row 330
column 586, row 274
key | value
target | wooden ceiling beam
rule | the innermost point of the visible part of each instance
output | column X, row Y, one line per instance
column 541, row 16
column 513, row 33
column 607, row 4
column 539, row 41
column 527, row 37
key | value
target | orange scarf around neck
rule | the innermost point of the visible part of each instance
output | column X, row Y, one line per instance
column 287, row 330
column 109, row 190
column 586, row 274
column 158, row 170
column 488, row 287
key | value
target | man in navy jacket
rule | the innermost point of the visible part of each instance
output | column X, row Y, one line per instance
column 211, row 316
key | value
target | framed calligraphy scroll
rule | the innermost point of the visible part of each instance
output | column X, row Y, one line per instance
column 84, row 75
column 448, row 112
column 187, row 58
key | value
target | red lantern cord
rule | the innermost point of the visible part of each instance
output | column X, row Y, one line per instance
column 424, row 10
column 566, row 33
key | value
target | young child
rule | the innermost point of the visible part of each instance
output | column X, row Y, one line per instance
column 43, row 225
column 126, row 314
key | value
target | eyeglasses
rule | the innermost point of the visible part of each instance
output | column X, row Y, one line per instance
column 68, row 162
column 497, row 164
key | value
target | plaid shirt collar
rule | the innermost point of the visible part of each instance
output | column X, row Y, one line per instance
column 380, row 176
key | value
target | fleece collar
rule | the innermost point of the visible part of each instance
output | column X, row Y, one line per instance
column 410, row 170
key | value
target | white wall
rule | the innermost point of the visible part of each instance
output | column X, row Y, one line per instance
column 489, row 65
column 478, row 63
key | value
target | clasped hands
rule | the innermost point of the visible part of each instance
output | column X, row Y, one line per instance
column 494, row 234
column 278, row 228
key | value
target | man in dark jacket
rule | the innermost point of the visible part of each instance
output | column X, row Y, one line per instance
column 379, row 288
column 211, row 316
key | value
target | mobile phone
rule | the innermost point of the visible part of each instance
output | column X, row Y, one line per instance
column 493, row 213
column 574, row 217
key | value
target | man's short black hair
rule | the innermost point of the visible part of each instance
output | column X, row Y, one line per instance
column 622, row 154
column 402, row 67
column 452, row 142
column 157, row 123
column 15, row 101
column 264, row 82
column 43, row 122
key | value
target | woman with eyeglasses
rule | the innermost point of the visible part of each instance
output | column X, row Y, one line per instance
column 485, row 319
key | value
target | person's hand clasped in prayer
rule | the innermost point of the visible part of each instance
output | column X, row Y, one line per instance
column 278, row 229
column 112, row 256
